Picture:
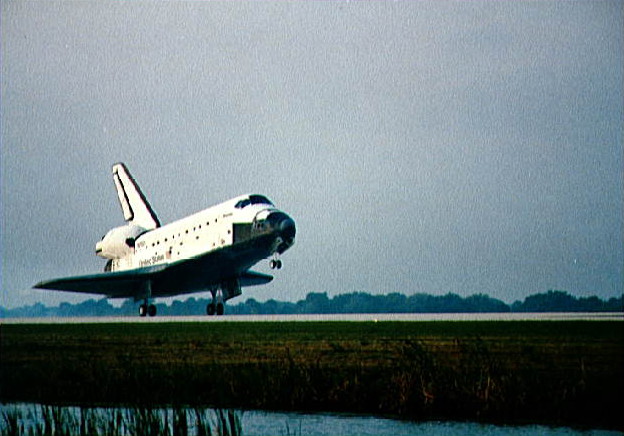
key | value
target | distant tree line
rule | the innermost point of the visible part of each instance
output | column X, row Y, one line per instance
column 356, row 302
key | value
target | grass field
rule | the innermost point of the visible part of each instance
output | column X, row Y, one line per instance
column 559, row 372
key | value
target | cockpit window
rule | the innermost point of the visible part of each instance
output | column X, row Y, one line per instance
column 253, row 199
column 260, row 199
column 241, row 204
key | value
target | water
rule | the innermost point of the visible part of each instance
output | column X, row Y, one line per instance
column 264, row 423
column 251, row 422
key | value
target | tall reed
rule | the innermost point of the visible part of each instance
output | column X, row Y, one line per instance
column 42, row 420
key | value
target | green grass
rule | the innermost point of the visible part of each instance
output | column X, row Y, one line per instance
column 548, row 372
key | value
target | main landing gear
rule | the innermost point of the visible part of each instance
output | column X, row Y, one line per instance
column 147, row 309
column 216, row 306
column 213, row 309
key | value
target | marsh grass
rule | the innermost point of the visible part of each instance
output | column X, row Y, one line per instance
column 38, row 420
column 504, row 372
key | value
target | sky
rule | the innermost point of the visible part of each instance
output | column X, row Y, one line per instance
column 421, row 147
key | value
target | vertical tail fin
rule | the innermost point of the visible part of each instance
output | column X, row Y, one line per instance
column 134, row 205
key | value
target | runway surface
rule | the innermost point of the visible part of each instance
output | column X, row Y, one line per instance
column 559, row 316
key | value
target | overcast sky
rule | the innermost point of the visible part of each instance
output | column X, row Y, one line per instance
column 466, row 147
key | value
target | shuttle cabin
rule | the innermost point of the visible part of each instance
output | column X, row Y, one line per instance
column 213, row 228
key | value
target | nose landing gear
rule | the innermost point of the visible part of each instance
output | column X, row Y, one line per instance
column 275, row 264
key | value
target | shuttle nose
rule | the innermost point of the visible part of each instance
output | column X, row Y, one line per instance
column 284, row 226
column 287, row 228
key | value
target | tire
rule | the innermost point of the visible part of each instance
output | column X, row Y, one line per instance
column 210, row 309
column 220, row 309
column 151, row 310
column 143, row 310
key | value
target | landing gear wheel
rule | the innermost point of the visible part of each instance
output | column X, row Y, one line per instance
column 143, row 310
column 275, row 264
column 210, row 309
column 151, row 310
column 220, row 309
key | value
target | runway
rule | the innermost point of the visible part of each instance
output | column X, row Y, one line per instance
column 372, row 317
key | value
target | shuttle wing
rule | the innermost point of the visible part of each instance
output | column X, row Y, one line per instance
column 182, row 277
column 111, row 284
column 253, row 278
